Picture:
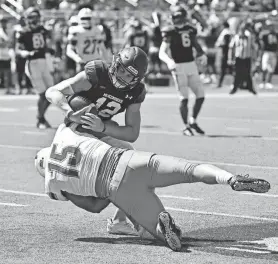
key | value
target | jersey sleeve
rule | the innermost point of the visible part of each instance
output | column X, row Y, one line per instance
column 57, row 196
column 140, row 99
column 91, row 72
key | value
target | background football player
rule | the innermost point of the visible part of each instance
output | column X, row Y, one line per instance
column 113, row 89
column 180, row 39
column 138, row 36
column 86, row 41
column 269, row 46
column 32, row 43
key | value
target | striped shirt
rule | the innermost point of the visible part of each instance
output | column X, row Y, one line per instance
column 243, row 45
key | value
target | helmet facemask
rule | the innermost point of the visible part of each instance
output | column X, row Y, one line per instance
column 33, row 20
column 123, row 77
column 179, row 20
column 86, row 22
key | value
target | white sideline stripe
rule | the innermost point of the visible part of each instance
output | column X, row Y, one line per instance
column 35, row 133
column 169, row 208
column 20, row 147
column 223, row 214
column 195, row 161
column 13, row 204
column 8, row 110
column 24, row 193
column 42, row 194
column 181, row 197
column 262, row 194
column 245, row 250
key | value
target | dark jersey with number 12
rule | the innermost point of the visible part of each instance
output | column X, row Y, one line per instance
column 181, row 42
column 33, row 40
column 109, row 100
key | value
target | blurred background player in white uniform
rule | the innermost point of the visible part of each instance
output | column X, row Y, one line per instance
column 86, row 41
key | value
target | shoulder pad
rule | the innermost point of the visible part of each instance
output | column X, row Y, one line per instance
column 192, row 28
column 140, row 99
column 94, row 70
column 168, row 28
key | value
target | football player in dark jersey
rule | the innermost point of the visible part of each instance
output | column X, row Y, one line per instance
column 138, row 37
column 269, row 45
column 32, row 44
column 180, row 39
column 112, row 89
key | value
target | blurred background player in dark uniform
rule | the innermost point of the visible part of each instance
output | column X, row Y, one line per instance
column 21, row 80
column 223, row 42
column 138, row 37
column 156, row 40
column 32, row 44
column 180, row 39
column 70, row 63
column 269, row 46
column 5, row 56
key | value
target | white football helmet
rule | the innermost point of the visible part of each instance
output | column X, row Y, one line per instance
column 73, row 21
column 85, row 16
column 40, row 160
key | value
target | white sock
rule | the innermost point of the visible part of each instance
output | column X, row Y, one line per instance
column 223, row 177
column 192, row 120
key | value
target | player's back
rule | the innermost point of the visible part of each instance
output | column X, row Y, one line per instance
column 88, row 42
column 74, row 163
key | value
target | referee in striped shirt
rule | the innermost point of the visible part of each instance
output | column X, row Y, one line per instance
column 242, row 46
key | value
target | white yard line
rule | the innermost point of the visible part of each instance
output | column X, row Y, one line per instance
column 34, row 133
column 245, row 250
column 181, row 197
column 223, row 214
column 14, row 204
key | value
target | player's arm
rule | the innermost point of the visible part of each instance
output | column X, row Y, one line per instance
column 71, row 47
column 89, row 203
column 164, row 47
column 131, row 130
column 57, row 93
column 231, row 49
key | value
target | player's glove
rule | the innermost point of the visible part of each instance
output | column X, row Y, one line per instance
column 171, row 65
column 203, row 60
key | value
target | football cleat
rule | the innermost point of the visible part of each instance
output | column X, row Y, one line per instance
column 195, row 127
column 121, row 228
column 188, row 132
column 244, row 183
column 170, row 231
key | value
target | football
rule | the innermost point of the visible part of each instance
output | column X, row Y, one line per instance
column 77, row 102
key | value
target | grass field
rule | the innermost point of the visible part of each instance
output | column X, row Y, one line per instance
column 219, row 225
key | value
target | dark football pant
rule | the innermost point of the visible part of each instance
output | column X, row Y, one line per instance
column 243, row 74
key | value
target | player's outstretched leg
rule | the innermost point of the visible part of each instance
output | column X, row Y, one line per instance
column 167, row 170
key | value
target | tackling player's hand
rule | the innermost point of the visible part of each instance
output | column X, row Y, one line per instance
column 92, row 122
column 171, row 65
column 76, row 116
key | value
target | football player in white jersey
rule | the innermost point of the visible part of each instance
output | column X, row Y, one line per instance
column 86, row 41
column 91, row 174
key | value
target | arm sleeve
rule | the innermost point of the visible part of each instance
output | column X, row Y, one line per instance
column 141, row 96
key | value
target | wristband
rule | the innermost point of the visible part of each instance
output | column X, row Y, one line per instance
column 104, row 128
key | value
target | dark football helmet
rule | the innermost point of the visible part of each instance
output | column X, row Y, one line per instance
column 128, row 68
column 33, row 17
column 178, row 15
